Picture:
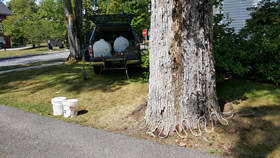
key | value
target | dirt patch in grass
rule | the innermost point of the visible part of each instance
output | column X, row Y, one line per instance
column 116, row 104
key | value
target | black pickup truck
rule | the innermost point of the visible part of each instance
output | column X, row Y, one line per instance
column 108, row 28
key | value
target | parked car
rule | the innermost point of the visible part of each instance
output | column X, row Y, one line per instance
column 113, row 43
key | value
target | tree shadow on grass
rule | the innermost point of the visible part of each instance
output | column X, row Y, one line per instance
column 258, row 134
column 69, row 77
column 236, row 90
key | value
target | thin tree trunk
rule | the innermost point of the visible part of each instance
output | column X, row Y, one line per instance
column 79, row 19
column 73, row 23
column 182, row 88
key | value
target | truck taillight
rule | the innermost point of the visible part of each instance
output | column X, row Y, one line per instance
column 90, row 51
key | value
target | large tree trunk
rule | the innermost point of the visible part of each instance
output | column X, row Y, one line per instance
column 74, row 27
column 182, row 88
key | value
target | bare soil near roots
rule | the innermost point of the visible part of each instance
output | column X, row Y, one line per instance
column 248, row 133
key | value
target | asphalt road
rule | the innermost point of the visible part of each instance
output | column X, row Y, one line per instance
column 23, row 134
column 33, row 59
column 19, row 48
column 30, row 67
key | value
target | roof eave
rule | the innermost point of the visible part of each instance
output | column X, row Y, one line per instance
column 6, row 14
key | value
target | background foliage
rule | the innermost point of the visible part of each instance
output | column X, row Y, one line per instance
column 35, row 23
column 230, row 59
column 254, row 52
column 141, row 9
column 146, row 66
column 261, row 37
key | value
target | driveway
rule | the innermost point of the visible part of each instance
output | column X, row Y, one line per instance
column 25, row 134
column 33, row 59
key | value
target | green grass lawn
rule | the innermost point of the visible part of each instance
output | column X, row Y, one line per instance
column 28, row 51
column 32, row 91
column 108, row 103
column 257, row 134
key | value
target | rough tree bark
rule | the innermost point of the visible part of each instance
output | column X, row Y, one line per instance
column 74, row 27
column 182, row 88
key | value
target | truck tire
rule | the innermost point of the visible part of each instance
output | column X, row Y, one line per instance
column 96, row 69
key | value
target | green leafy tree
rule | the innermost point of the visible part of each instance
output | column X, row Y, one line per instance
column 140, row 9
column 113, row 6
column 142, row 13
column 15, row 25
column 109, row 6
column 37, row 31
column 261, row 36
column 52, row 15
column 145, row 66
column 25, row 8
column 89, row 7
column 36, row 23
column 230, row 59
column 12, row 26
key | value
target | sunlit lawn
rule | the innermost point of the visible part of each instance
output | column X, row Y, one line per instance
column 110, row 97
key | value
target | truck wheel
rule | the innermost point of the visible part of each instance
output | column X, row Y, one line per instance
column 96, row 69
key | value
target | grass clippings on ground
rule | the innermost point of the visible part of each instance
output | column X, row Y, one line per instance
column 116, row 104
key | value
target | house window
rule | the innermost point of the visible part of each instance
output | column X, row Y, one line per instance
column 1, row 28
column 1, row 39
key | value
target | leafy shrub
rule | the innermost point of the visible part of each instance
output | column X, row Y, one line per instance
column 146, row 66
column 261, row 37
column 254, row 53
column 230, row 60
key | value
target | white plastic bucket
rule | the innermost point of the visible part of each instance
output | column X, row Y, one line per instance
column 58, row 105
column 70, row 107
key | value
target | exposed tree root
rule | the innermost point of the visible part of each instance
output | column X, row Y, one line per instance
column 183, row 129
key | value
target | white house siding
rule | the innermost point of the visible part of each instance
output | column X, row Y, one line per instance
column 237, row 11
